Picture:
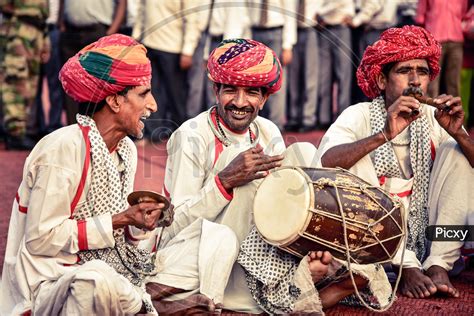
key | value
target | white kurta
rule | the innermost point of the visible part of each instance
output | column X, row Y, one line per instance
column 191, row 181
column 43, row 238
column 354, row 124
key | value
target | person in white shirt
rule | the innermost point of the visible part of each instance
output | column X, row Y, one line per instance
column 420, row 154
column 214, row 166
column 303, row 72
column 335, row 54
column 170, row 32
column 273, row 23
column 72, row 243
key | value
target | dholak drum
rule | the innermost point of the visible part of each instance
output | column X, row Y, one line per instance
column 309, row 209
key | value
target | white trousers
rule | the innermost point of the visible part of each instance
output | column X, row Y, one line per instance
column 94, row 288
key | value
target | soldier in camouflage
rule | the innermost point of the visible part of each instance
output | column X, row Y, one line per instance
column 24, row 44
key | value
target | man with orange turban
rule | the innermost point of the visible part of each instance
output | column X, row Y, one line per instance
column 71, row 246
column 418, row 152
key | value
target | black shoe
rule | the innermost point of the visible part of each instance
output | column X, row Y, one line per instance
column 306, row 128
column 322, row 126
column 291, row 127
column 19, row 143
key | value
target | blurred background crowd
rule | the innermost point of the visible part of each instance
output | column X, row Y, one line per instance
column 320, row 44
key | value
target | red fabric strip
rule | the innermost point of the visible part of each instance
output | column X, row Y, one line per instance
column 433, row 151
column 219, row 147
column 82, row 235
column 21, row 209
column 382, row 180
column 224, row 192
column 404, row 194
column 82, row 182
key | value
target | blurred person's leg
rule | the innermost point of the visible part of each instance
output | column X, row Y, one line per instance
column 56, row 96
column 434, row 86
column 170, row 94
column 453, row 67
column 325, row 77
column 196, row 81
column 311, row 70
column 343, row 67
column 295, row 80
column 210, row 98
column 275, row 108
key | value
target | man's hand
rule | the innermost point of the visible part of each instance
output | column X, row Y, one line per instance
column 286, row 56
column 453, row 119
column 45, row 52
column 185, row 62
column 247, row 166
column 400, row 114
column 142, row 215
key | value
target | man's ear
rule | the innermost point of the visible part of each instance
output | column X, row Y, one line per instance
column 381, row 81
column 266, row 95
column 113, row 102
column 216, row 88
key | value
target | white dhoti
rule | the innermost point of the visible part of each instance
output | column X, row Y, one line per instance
column 94, row 288
column 198, row 258
column 451, row 202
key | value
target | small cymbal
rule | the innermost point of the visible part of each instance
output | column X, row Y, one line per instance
column 147, row 196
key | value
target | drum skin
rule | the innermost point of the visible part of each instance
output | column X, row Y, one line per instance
column 373, row 219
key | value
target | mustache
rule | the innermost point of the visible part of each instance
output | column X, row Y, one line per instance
column 232, row 107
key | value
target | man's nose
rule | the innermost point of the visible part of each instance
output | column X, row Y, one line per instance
column 414, row 79
column 151, row 104
column 240, row 98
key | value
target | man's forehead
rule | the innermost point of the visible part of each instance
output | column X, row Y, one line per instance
column 412, row 63
column 241, row 87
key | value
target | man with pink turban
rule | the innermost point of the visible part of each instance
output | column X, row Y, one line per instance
column 71, row 246
column 416, row 151
column 215, row 163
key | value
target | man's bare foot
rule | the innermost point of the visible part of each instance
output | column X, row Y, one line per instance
column 159, row 291
column 318, row 262
column 333, row 293
column 440, row 278
column 197, row 304
column 415, row 284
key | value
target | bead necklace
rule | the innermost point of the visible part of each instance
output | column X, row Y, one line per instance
column 221, row 135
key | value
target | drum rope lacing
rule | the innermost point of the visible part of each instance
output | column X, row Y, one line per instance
column 348, row 256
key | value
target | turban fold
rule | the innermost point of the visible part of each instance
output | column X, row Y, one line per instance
column 104, row 68
column 245, row 62
column 396, row 45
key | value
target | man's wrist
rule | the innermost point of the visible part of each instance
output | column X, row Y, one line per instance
column 119, row 220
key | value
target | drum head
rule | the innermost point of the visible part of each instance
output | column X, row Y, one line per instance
column 281, row 205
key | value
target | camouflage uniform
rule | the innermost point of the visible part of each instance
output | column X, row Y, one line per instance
column 22, row 39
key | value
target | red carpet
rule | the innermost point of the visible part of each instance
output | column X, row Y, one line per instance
column 150, row 172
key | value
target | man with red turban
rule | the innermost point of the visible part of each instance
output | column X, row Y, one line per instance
column 71, row 246
column 417, row 152
column 214, row 165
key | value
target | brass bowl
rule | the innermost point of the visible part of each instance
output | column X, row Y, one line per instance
column 166, row 217
column 147, row 196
